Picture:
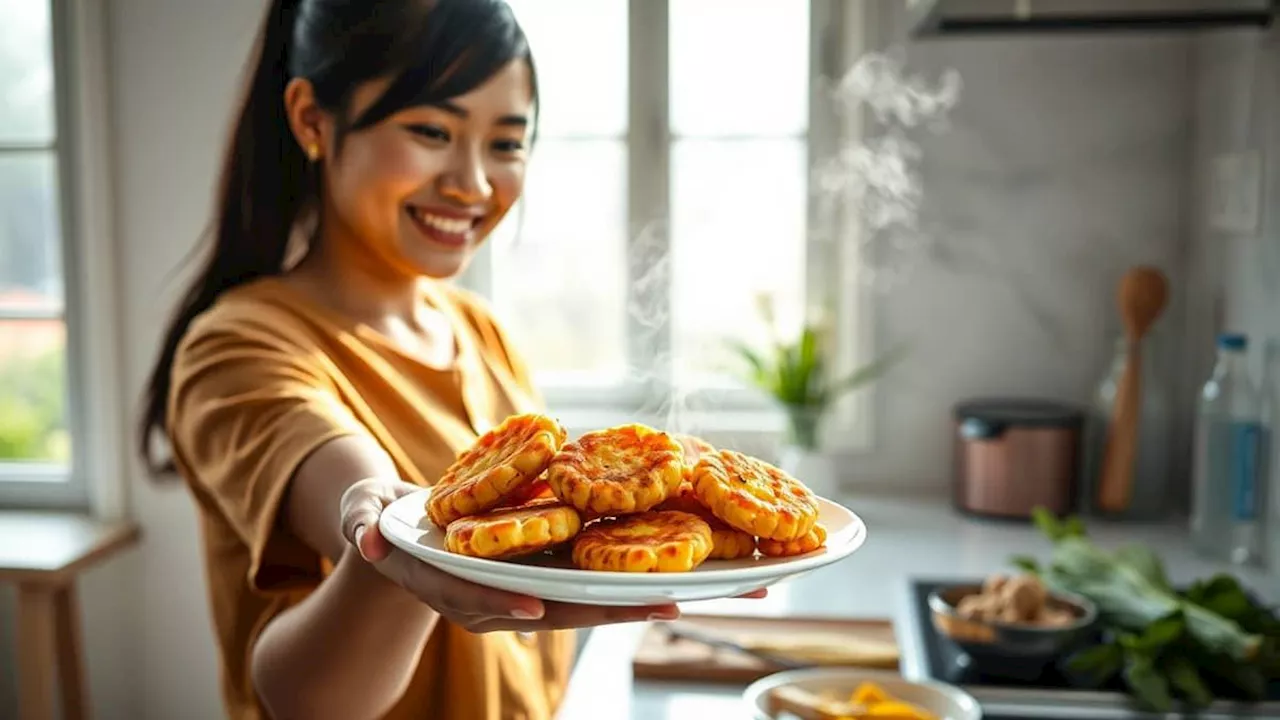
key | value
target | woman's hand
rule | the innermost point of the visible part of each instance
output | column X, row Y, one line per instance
column 473, row 607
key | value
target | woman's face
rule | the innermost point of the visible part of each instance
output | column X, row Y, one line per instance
column 419, row 191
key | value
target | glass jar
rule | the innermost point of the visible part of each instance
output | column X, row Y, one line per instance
column 1150, row 497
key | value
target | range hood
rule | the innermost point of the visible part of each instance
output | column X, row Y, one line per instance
column 946, row 18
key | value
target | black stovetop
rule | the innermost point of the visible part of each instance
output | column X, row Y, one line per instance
column 942, row 660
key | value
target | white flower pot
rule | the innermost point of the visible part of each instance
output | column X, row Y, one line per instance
column 817, row 470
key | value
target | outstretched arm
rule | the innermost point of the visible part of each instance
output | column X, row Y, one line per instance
column 350, row 649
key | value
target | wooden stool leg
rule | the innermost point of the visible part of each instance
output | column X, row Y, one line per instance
column 36, row 654
column 70, row 655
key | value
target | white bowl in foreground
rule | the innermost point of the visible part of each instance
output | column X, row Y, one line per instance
column 948, row 702
column 405, row 525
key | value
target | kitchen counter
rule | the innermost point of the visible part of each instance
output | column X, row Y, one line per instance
column 908, row 537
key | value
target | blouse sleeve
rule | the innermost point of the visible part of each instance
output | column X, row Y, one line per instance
column 245, row 409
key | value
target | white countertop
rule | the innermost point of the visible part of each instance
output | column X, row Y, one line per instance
column 919, row 537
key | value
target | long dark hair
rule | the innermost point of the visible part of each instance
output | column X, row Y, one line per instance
column 434, row 50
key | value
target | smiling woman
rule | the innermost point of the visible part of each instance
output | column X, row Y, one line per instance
column 475, row 145
column 301, row 396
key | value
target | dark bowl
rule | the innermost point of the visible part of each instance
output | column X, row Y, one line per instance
column 985, row 640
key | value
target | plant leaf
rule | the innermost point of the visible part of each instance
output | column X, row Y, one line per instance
column 1161, row 633
column 1248, row 680
column 752, row 358
column 804, row 378
column 1074, row 527
column 1096, row 665
column 1025, row 563
column 1047, row 523
column 1185, row 678
column 1145, row 681
column 749, row 354
column 786, row 357
column 1221, row 594
column 1145, row 562
column 865, row 374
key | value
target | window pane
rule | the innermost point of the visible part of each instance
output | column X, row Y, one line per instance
column 33, row 418
column 739, row 67
column 580, row 50
column 26, row 72
column 560, row 283
column 30, row 233
column 739, row 213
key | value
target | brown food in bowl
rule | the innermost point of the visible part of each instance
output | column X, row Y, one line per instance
column 1019, row 600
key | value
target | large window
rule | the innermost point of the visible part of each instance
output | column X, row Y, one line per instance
column 35, row 432
column 668, row 191
column 559, row 262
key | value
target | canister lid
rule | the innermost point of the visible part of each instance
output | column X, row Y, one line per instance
column 1020, row 412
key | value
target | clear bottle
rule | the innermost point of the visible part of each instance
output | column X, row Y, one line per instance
column 1232, row 449
column 1149, row 500
column 1270, row 408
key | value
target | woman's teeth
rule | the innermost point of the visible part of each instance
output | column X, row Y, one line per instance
column 453, row 226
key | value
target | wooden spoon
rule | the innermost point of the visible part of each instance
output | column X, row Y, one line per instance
column 1142, row 296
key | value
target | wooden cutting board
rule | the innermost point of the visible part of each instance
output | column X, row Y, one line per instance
column 813, row 641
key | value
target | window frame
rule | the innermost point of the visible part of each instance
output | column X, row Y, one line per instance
column 93, row 479
column 839, row 32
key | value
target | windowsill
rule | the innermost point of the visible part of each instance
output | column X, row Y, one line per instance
column 37, row 486
column 33, row 471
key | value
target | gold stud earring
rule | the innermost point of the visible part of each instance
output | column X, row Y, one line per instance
column 313, row 152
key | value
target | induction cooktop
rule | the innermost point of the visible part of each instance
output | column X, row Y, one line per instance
column 1009, row 691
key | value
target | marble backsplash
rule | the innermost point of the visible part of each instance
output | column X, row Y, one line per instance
column 1066, row 163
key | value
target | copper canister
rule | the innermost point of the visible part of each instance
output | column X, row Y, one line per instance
column 1012, row 455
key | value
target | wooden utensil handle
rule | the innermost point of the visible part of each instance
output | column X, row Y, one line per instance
column 677, row 631
column 1116, row 486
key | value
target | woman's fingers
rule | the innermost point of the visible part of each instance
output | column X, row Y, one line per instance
column 564, row 616
column 756, row 594
column 462, row 601
column 361, row 505
column 371, row 543
column 483, row 609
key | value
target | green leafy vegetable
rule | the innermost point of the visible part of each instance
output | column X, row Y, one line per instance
column 1026, row 564
column 1158, row 635
column 1147, row 683
column 1145, row 562
column 1164, row 645
column 1096, row 665
column 1185, row 678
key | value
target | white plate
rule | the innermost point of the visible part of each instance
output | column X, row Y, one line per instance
column 948, row 702
column 406, row 525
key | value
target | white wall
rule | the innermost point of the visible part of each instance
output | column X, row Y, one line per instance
column 1235, row 276
column 1066, row 164
column 175, row 75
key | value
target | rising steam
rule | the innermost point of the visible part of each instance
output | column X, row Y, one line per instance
column 869, row 192
column 868, row 196
column 666, row 398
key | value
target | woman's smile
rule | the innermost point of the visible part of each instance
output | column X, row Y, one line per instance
column 450, row 228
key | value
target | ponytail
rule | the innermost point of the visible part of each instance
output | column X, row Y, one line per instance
column 263, row 188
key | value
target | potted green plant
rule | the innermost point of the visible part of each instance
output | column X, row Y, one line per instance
column 796, row 373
